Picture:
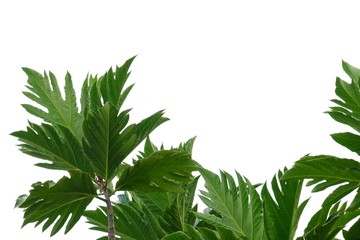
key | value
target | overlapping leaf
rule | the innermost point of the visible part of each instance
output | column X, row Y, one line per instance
column 238, row 208
column 109, row 88
column 329, row 221
column 282, row 213
column 155, row 202
column 106, row 141
column 44, row 90
column 57, row 145
column 58, row 203
column 325, row 171
column 176, row 216
column 161, row 171
column 130, row 223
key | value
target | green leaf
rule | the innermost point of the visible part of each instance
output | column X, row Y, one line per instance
column 112, row 84
column 20, row 200
column 325, row 168
column 348, row 109
column 176, row 236
column 155, row 202
column 55, row 144
column 239, row 208
column 354, row 231
column 161, row 171
column 282, row 213
column 353, row 72
column 130, row 223
column 327, row 171
column 209, row 234
column 329, row 221
column 109, row 88
column 46, row 93
column 340, row 192
column 102, row 142
column 175, row 217
column 56, row 203
column 349, row 140
column 107, row 144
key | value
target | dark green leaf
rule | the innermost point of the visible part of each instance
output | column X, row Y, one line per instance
column 349, row 140
column 130, row 223
column 324, row 168
column 57, row 145
column 56, row 203
column 354, row 231
column 161, row 171
column 107, row 144
column 282, row 213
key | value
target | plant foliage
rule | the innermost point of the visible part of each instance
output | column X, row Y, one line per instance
column 91, row 144
column 158, row 190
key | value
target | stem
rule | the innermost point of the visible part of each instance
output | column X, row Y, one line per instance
column 111, row 224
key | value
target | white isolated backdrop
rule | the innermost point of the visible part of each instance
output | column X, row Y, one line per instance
column 251, row 79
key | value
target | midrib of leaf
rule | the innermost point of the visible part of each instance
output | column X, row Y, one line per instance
column 65, row 204
column 158, row 205
column 295, row 210
column 53, row 154
column 229, row 215
column 107, row 143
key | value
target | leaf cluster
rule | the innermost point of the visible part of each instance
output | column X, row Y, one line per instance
column 157, row 191
column 91, row 144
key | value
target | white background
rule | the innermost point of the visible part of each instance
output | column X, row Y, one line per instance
column 251, row 79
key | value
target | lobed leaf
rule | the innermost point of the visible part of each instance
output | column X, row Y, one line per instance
column 161, row 171
column 282, row 213
column 107, row 142
column 238, row 208
column 45, row 92
column 55, row 144
column 45, row 204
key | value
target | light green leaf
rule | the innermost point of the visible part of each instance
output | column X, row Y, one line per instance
column 68, row 198
column 238, row 208
column 55, row 144
column 282, row 213
column 161, row 171
column 46, row 93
